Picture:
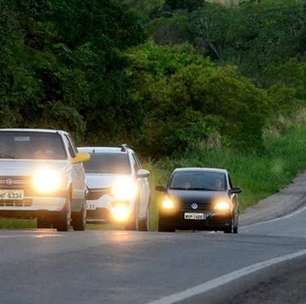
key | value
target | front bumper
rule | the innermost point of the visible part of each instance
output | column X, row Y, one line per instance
column 213, row 221
column 31, row 206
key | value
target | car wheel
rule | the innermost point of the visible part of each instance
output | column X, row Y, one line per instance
column 63, row 219
column 236, row 226
column 144, row 225
column 235, row 230
column 43, row 223
column 230, row 227
column 165, row 224
column 79, row 220
column 132, row 224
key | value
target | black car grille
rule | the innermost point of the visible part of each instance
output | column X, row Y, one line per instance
column 16, row 203
column 197, row 206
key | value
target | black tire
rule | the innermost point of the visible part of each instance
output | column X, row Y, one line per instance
column 236, row 226
column 79, row 220
column 144, row 225
column 236, row 229
column 43, row 223
column 230, row 228
column 166, row 225
column 63, row 219
column 132, row 224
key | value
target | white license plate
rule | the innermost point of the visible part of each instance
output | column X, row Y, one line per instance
column 11, row 195
column 195, row 216
column 91, row 206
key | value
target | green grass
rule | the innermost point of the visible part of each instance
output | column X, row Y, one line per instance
column 258, row 174
column 11, row 223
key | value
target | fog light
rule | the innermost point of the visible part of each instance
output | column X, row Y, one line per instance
column 120, row 213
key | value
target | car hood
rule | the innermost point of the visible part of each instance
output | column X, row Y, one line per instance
column 199, row 197
column 100, row 181
column 30, row 167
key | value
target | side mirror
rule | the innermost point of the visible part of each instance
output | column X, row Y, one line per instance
column 160, row 189
column 236, row 190
column 80, row 158
column 141, row 173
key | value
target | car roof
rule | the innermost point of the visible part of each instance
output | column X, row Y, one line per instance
column 34, row 130
column 104, row 149
column 201, row 170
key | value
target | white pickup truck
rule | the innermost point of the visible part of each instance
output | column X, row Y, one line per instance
column 42, row 176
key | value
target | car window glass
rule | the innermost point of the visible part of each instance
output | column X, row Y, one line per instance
column 230, row 182
column 72, row 151
column 209, row 181
column 31, row 145
column 73, row 146
column 108, row 163
column 136, row 163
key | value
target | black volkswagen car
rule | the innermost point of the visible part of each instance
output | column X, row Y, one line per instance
column 199, row 199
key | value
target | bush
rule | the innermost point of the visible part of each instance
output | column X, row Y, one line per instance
column 186, row 97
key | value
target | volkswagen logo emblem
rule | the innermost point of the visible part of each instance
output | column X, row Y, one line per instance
column 194, row 206
column 9, row 182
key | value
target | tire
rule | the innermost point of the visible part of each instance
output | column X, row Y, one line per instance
column 63, row 219
column 230, row 228
column 79, row 220
column 165, row 224
column 236, row 229
column 43, row 223
column 236, row 226
column 144, row 225
column 133, row 224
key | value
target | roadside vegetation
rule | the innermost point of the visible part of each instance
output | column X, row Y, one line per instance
column 185, row 82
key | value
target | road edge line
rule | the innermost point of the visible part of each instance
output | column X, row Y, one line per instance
column 225, row 279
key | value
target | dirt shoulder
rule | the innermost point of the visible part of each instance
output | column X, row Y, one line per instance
column 279, row 204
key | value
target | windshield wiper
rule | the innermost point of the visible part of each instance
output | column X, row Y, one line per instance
column 3, row 155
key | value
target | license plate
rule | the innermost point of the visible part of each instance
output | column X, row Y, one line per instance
column 91, row 206
column 195, row 216
column 11, row 195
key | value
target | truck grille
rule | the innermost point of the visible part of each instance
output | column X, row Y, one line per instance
column 16, row 203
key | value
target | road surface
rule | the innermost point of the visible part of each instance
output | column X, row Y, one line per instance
column 45, row 266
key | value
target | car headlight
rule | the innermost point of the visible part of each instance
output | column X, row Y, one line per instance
column 120, row 212
column 47, row 181
column 124, row 188
column 223, row 206
column 168, row 204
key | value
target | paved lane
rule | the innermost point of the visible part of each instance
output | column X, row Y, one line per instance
column 130, row 267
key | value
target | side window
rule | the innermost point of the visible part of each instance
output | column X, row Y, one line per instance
column 135, row 163
column 72, row 150
column 230, row 182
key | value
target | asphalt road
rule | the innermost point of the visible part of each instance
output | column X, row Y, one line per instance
column 45, row 266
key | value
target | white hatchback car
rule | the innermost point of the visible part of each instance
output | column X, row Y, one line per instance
column 42, row 176
column 119, row 187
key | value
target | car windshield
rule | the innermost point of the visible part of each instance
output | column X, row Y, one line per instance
column 31, row 145
column 206, row 180
column 108, row 163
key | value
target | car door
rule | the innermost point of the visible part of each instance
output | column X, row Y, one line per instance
column 143, row 186
column 78, row 178
column 235, row 196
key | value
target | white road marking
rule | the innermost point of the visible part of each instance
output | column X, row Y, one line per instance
column 297, row 212
column 225, row 279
